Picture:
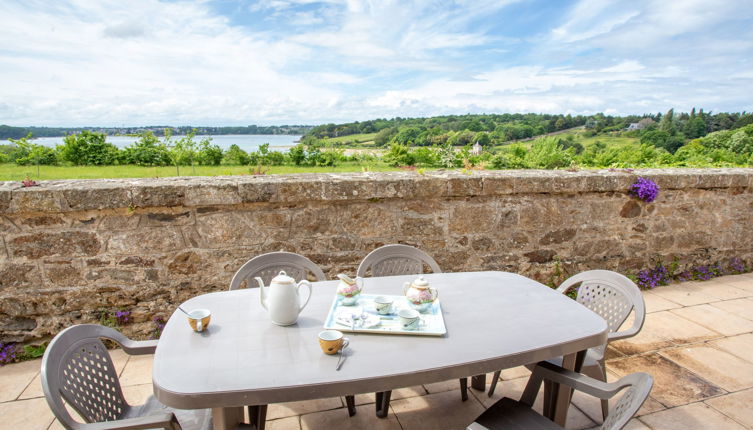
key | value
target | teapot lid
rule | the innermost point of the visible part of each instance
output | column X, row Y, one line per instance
column 283, row 278
column 421, row 282
column 347, row 279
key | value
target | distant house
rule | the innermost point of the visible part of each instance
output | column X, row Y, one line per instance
column 476, row 149
column 635, row 126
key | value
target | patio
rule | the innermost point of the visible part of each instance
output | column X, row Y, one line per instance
column 697, row 343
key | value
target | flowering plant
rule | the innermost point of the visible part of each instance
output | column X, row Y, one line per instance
column 644, row 189
column 7, row 353
column 650, row 278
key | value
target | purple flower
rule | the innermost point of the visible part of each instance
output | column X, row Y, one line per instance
column 7, row 353
column 650, row 278
column 736, row 265
column 122, row 316
column 644, row 189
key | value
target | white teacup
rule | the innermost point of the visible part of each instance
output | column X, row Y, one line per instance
column 198, row 319
column 383, row 305
column 410, row 319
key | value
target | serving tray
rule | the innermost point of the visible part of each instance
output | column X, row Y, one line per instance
column 369, row 321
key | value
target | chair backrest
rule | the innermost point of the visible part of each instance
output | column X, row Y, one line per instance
column 77, row 367
column 638, row 387
column 611, row 295
column 267, row 266
column 390, row 260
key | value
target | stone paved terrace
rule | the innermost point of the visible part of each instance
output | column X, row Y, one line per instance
column 697, row 343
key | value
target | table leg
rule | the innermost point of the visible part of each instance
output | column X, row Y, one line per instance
column 383, row 404
column 478, row 382
column 226, row 418
column 559, row 396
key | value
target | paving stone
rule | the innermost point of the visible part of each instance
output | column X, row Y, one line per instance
column 34, row 389
column 656, row 303
column 735, row 406
column 716, row 366
column 16, row 377
column 433, row 411
column 137, row 371
column 515, row 373
column 56, row 426
column 693, row 416
column 716, row 319
column 740, row 307
column 648, row 339
column 400, row 393
column 634, row 424
column 453, row 384
column 686, row 296
column 673, row 384
column 740, row 346
column 679, row 330
column 743, row 282
column 31, row 414
column 137, row 394
column 289, row 423
column 719, row 289
column 119, row 359
column 289, row 409
column 365, row 418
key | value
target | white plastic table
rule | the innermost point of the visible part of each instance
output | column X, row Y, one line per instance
column 495, row 320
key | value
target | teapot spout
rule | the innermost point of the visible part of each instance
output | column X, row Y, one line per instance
column 261, row 292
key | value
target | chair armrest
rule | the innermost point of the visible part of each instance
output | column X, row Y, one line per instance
column 139, row 347
column 163, row 420
column 476, row 426
column 551, row 372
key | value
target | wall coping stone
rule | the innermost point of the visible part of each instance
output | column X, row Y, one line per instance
column 98, row 194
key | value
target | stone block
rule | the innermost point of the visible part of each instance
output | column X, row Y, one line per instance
column 213, row 192
column 68, row 243
column 97, row 195
column 35, row 199
column 157, row 194
column 145, row 241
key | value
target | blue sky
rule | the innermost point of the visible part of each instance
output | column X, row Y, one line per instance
column 222, row 62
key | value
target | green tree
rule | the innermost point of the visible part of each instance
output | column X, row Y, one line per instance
column 695, row 127
column 147, row 151
column 28, row 153
column 667, row 122
column 235, row 156
column 88, row 148
column 208, row 154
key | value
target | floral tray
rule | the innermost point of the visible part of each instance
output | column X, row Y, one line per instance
column 369, row 321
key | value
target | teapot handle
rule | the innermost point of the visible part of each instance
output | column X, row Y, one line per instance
column 298, row 287
column 436, row 292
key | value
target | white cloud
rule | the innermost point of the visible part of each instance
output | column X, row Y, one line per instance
column 149, row 62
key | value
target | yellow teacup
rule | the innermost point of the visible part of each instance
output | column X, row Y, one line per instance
column 198, row 319
column 332, row 341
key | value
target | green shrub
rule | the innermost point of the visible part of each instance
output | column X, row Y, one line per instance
column 235, row 156
column 88, row 148
column 147, row 151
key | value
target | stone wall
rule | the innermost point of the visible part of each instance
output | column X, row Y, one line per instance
column 69, row 249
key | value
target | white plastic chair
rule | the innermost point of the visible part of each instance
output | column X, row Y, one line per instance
column 612, row 296
column 510, row 414
column 77, row 369
column 267, row 266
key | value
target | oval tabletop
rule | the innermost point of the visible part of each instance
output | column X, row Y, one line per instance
column 494, row 320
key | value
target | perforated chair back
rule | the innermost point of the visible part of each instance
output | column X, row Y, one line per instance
column 391, row 260
column 609, row 294
column 77, row 367
column 639, row 386
column 267, row 266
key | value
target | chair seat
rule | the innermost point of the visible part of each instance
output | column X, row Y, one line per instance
column 509, row 414
column 193, row 419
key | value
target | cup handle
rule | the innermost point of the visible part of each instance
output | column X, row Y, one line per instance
column 199, row 325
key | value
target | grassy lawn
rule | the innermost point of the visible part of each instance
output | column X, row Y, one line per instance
column 608, row 140
column 12, row 172
column 349, row 139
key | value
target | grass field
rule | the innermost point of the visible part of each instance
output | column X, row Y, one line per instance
column 12, row 172
column 350, row 139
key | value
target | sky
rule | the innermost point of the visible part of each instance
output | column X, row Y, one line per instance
column 274, row 62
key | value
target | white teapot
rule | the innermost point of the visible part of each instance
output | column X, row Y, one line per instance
column 282, row 298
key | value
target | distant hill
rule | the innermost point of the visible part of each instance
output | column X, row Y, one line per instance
column 10, row 132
